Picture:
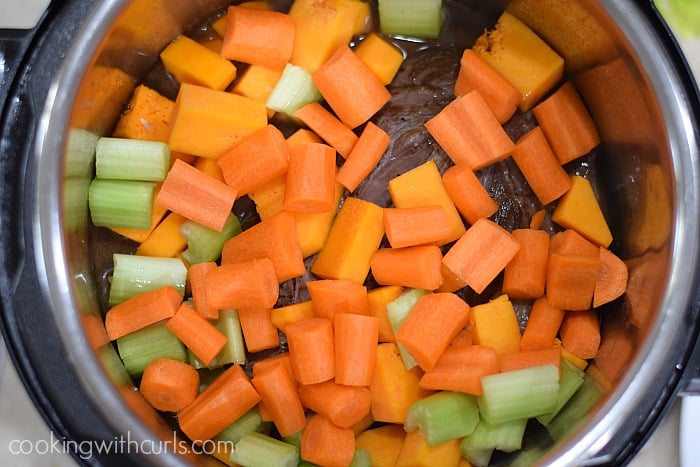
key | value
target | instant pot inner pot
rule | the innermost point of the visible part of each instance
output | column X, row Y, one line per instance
column 642, row 173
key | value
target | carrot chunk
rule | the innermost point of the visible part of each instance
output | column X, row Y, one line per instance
column 324, row 443
column 258, row 331
column 542, row 326
column 351, row 89
column 196, row 275
column 469, row 195
column 525, row 275
column 356, row 337
column 259, row 37
column 198, row 334
column 311, row 350
column 430, row 326
column 580, row 333
column 310, row 184
column 169, row 385
column 364, row 157
column 481, row 254
column 142, row 310
column 417, row 267
column 246, row 284
column 221, row 403
column 461, row 368
column 343, row 405
column 415, row 226
column 330, row 297
column 278, row 392
column 328, row 127
column 612, row 278
column 530, row 358
column 245, row 173
column 196, row 196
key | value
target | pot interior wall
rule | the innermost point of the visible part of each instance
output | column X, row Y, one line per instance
column 633, row 169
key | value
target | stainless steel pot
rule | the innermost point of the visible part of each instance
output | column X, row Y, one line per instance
column 637, row 86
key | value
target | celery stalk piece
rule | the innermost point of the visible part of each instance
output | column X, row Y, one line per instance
column 234, row 351
column 80, row 153
column 397, row 311
column 249, row 422
column 131, row 159
column 205, row 244
column 139, row 348
column 121, row 203
column 259, row 450
column 570, row 380
column 76, row 191
column 443, row 416
column 134, row 274
column 486, row 438
column 293, row 91
column 682, row 15
column 362, row 458
column 519, row 394
column 411, row 18
column 578, row 407
column 113, row 364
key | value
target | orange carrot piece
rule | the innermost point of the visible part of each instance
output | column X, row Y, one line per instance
column 351, row 89
column 218, row 119
column 469, row 195
column 197, row 275
column 169, row 385
column 311, row 350
column 377, row 300
column 530, row 358
column 142, row 310
column 537, row 219
column 571, row 280
column 221, row 403
column 430, row 326
column 476, row 73
column 258, row 37
column 198, row 334
column 418, row 267
column 469, row 133
column 580, row 333
column 418, row 225
column 542, row 326
column 495, row 324
column 343, row 405
column 540, row 167
column 566, row 123
column 355, row 235
column 328, row 127
column 461, row 368
column 274, row 238
column 281, row 359
column 356, row 337
column 302, row 135
column 310, row 184
column 393, row 388
column 196, row 196
column 283, row 316
column 364, row 157
column 258, row 331
column 423, row 186
column 481, row 254
column 246, row 284
column 278, row 392
column 332, row 296
column 570, row 242
column 245, row 173
column 463, row 339
column 612, row 278
column 525, row 274
column 324, row 443
column 617, row 346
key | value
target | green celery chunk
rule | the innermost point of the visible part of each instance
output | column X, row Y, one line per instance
column 411, row 18
column 443, row 416
column 80, row 153
column 121, row 203
column 131, row 159
column 135, row 274
column 397, row 311
column 576, row 409
column 519, row 394
column 249, row 422
column 205, row 244
column 293, row 91
column 570, row 380
column 259, row 450
column 486, row 438
column 139, row 348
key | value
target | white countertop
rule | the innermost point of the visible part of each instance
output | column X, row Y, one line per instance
column 26, row 441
